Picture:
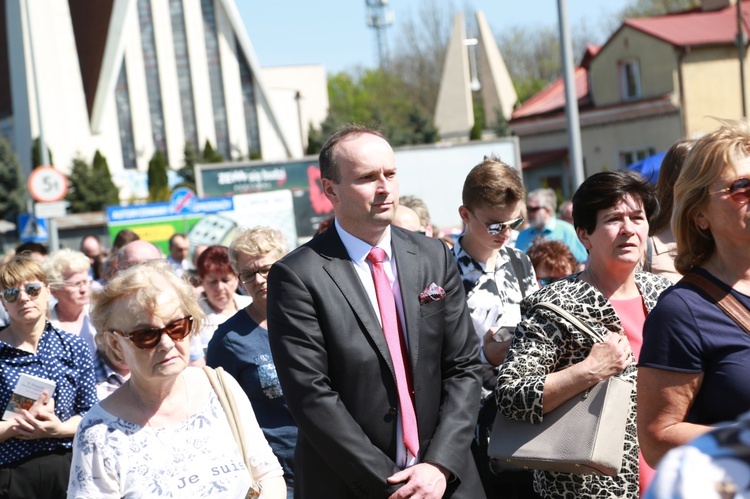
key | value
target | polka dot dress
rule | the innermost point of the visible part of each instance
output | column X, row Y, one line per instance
column 62, row 358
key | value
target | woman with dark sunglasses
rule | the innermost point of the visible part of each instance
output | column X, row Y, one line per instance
column 551, row 360
column 696, row 359
column 35, row 444
column 163, row 432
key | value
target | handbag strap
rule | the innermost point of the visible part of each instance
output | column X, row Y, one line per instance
column 226, row 399
column 568, row 317
column 723, row 299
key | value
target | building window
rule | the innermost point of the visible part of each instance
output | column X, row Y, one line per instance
column 184, row 80
column 629, row 157
column 124, row 119
column 151, row 67
column 630, row 80
column 248, row 104
column 215, row 78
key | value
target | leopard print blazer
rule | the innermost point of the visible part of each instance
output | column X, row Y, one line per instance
column 545, row 343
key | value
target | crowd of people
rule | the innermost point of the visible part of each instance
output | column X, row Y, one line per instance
column 372, row 360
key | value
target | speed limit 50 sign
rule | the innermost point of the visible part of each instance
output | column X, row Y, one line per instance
column 47, row 184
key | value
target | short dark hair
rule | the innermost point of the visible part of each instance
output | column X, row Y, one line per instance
column 328, row 167
column 32, row 248
column 176, row 235
column 604, row 190
column 492, row 183
column 122, row 238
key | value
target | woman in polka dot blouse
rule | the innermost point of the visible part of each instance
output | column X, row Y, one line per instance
column 35, row 446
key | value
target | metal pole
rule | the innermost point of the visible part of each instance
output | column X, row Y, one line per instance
column 741, row 55
column 298, row 99
column 54, row 241
column 571, row 100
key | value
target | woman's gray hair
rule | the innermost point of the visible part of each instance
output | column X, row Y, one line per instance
column 255, row 243
column 142, row 285
column 63, row 261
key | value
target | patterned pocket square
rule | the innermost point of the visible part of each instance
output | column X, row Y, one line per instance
column 431, row 293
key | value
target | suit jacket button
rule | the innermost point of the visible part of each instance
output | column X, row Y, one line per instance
column 392, row 411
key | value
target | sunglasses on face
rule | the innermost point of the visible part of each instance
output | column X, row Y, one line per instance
column 739, row 191
column 32, row 289
column 249, row 276
column 495, row 229
column 149, row 338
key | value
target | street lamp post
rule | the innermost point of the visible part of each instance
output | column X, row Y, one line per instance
column 571, row 98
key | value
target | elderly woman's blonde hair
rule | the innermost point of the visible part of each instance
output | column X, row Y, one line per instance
column 255, row 243
column 723, row 148
column 141, row 285
column 63, row 261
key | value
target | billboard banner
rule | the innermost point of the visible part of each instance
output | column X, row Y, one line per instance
column 205, row 221
column 301, row 177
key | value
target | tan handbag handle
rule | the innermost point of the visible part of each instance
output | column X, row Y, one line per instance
column 570, row 318
column 226, row 399
column 723, row 299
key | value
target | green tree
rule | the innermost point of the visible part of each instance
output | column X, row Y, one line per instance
column 187, row 172
column 90, row 188
column 378, row 99
column 36, row 154
column 210, row 155
column 12, row 188
column 158, row 183
column 315, row 140
column 649, row 8
column 501, row 127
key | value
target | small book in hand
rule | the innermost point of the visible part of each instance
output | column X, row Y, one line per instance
column 28, row 390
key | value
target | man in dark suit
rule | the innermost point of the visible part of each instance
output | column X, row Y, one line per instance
column 342, row 379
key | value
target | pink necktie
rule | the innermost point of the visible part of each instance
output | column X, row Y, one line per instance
column 389, row 318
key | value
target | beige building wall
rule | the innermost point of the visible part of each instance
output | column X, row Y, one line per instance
column 603, row 143
column 711, row 83
column 657, row 63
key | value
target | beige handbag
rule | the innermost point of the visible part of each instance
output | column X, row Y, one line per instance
column 216, row 377
column 585, row 435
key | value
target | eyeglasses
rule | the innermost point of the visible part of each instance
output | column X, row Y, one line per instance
column 495, row 229
column 79, row 284
column 739, row 191
column 32, row 289
column 249, row 276
column 532, row 209
column 149, row 338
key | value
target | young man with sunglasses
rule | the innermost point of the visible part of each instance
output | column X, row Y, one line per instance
column 541, row 206
column 496, row 278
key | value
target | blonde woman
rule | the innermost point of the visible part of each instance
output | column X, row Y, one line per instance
column 163, row 432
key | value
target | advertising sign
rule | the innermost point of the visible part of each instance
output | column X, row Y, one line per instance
column 205, row 221
column 301, row 178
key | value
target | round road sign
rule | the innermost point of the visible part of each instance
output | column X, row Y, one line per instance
column 47, row 185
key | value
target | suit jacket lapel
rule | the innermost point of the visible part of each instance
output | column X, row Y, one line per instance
column 342, row 272
column 409, row 280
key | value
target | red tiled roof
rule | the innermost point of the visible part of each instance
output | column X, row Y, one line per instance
column 534, row 159
column 552, row 97
column 694, row 27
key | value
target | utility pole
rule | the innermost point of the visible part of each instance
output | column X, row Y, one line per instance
column 741, row 42
column 379, row 17
column 571, row 98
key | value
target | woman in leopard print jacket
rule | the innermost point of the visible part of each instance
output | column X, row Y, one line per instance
column 550, row 360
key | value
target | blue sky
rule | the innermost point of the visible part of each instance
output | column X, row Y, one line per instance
column 334, row 32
